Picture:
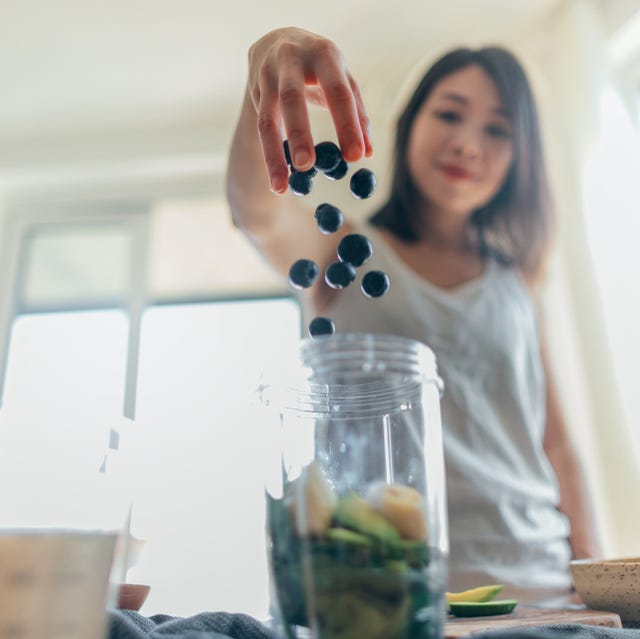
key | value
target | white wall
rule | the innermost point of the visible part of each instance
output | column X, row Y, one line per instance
column 572, row 59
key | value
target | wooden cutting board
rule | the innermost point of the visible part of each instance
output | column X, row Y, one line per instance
column 524, row 616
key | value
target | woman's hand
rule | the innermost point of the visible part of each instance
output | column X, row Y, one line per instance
column 289, row 68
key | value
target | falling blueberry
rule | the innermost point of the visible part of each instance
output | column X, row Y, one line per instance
column 321, row 326
column 300, row 183
column 339, row 172
column 287, row 153
column 329, row 218
column 363, row 183
column 328, row 156
column 375, row 283
column 339, row 274
column 355, row 249
column 303, row 273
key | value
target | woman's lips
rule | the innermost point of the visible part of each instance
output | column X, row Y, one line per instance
column 455, row 172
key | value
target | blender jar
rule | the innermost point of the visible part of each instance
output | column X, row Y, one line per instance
column 356, row 505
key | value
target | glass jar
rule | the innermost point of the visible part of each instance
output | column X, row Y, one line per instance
column 356, row 506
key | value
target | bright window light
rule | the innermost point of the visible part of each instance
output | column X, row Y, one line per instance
column 612, row 204
column 200, row 498
column 64, row 392
column 68, row 362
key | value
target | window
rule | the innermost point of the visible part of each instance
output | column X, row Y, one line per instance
column 204, row 497
column 162, row 312
column 612, row 202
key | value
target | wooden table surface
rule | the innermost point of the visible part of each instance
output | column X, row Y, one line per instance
column 526, row 615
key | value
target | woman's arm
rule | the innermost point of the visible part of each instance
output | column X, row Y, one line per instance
column 288, row 69
column 574, row 498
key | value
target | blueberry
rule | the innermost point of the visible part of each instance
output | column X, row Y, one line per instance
column 328, row 156
column 339, row 274
column 287, row 153
column 355, row 249
column 375, row 283
column 303, row 273
column 321, row 326
column 300, row 183
column 363, row 183
column 329, row 218
column 339, row 172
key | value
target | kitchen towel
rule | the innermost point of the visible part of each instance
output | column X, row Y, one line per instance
column 126, row 624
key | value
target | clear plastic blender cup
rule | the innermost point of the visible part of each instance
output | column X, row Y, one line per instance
column 356, row 504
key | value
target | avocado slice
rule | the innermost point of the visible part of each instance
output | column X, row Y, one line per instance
column 355, row 512
column 482, row 608
column 482, row 593
column 347, row 536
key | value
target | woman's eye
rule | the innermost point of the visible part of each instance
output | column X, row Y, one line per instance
column 498, row 131
column 448, row 116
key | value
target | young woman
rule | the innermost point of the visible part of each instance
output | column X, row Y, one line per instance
column 463, row 238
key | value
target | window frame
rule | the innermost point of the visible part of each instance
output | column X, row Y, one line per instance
column 22, row 220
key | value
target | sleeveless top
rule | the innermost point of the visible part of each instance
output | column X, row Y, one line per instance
column 502, row 493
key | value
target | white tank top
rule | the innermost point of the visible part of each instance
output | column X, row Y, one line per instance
column 504, row 523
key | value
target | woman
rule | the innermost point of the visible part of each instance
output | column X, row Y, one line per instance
column 463, row 238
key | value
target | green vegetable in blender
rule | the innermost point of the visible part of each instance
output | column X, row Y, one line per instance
column 357, row 579
column 355, row 512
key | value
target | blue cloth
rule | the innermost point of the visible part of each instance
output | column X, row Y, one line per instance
column 126, row 624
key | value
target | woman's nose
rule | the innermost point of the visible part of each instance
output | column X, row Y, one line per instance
column 466, row 147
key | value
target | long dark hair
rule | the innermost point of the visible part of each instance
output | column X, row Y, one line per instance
column 515, row 226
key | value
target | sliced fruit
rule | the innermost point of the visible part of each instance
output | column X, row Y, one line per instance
column 482, row 608
column 402, row 506
column 482, row 593
column 348, row 536
column 313, row 501
column 355, row 512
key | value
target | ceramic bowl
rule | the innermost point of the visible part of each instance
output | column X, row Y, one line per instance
column 609, row 584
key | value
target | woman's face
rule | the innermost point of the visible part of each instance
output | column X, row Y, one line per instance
column 460, row 146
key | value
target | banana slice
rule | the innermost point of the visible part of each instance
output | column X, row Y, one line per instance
column 403, row 507
column 480, row 594
column 313, row 502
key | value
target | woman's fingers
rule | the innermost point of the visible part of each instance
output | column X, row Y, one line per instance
column 293, row 107
column 341, row 101
column 288, row 69
column 270, row 134
column 365, row 123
